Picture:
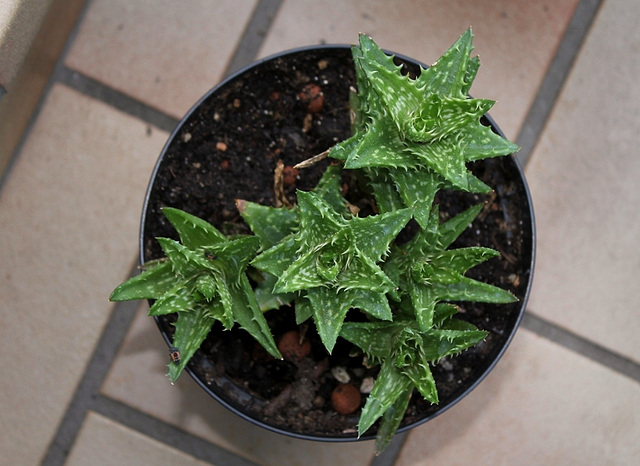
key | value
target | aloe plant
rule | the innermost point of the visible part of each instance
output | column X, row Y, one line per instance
column 202, row 279
column 411, row 138
column 414, row 136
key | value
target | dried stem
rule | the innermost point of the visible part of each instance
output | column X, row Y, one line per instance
column 313, row 160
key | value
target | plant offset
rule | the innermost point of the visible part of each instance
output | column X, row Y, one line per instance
column 348, row 274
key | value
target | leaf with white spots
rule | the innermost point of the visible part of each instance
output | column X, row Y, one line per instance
column 150, row 284
column 191, row 330
column 193, row 231
column 270, row 224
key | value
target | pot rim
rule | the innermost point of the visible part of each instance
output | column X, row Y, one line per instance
column 259, row 422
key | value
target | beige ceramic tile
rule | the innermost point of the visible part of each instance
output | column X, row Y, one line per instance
column 103, row 442
column 69, row 217
column 584, row 181
column 163, row 52
column 138, row 379
column 515, row 40
column 541, row 404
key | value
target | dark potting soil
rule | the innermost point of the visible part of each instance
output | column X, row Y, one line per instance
column 228, row 149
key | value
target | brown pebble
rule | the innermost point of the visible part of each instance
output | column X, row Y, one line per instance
column 314, row 98
column 289, row 175
column 291, row 348
column 345, row 398
column 221, row 146
column 224, row 165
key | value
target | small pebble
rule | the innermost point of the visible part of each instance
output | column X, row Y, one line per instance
column 367, row 385
column 345, row 398
column 221, row 146
column 340, row 374
column 312, row 96
column 446, row 365
column 292, row 348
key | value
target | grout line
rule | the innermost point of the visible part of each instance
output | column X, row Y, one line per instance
column 92, row 88
column 106, row 349
column 166, row 433
column 581, row 345
column 555, row 77
column 254, row 34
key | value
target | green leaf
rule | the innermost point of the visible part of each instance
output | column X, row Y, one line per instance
column 191, row 330
column 452, row 73
column 418, row 188
column 372, row 303
column 303, row 309
column 343, row 149
column 399, row 94
column 206, row 285
column 329, row 312
column 376, row 339
column 318, row 221
column 265, row 297
column 443, row 313
column 445, row 157
column 440, row 343
column 391, row 420
column 373, row 234
column 193, row 231
column 381, row 146
column 470, row 75
column 270, row 224
column 480, row 142
column 390, row 385
column 278, row 258
column 329, row 189
column 422, row 378
column 228, row 302
column 384, row 190
column 424, row 301
column 458, row 261
column 362, row 273
column 301, row 274
column 468, row 289
column 232, row 256
column 150, row 284
column 437, row 117
column 249, row 316
column 185, row 262
column 179, row 298
column 449, row 231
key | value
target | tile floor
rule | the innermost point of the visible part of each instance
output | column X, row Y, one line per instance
column 88, row 385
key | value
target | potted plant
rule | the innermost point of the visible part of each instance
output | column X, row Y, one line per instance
column 315, row 269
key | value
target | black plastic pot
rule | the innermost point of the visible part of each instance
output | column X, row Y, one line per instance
column 225, row 129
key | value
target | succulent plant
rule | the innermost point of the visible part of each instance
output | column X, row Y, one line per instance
column 412, row 136
column 203, row 280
